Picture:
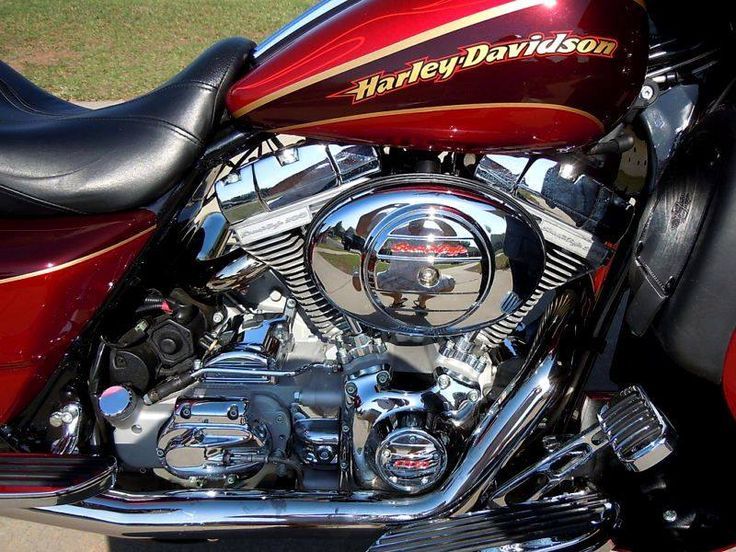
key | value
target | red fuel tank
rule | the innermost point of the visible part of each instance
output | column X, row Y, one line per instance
column 472, row 75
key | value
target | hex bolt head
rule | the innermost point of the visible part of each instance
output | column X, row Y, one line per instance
column 647, row 92
column 186, row 412
column 351, row 389
column 443, row 380
column 670, row 516
column 232, row 178
column 233, row 413
column 55, row 420
column 218, row 317
column 383, row 377
column 473, row 396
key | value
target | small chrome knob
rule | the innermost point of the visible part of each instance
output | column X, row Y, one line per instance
column 117, row 404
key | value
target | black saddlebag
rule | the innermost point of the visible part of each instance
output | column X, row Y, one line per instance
column 684, row 272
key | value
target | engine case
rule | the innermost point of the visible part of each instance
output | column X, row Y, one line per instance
column 426, row 255
column 212, row 439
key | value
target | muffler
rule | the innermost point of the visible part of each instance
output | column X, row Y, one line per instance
column 533, row 394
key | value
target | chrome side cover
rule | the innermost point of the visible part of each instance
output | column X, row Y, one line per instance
column 211, row 439
column 281, row 191
column 426, row 255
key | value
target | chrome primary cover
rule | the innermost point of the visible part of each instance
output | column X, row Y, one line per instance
column 426, row 254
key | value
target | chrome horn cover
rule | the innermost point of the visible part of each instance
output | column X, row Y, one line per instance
column 426, row 254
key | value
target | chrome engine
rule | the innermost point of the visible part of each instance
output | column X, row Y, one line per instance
column 364, row 317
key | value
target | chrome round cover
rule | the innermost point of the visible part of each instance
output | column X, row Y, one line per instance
column 426, row 255
column 410, row 460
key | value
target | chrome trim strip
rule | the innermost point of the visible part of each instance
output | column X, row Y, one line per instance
column 313, row 13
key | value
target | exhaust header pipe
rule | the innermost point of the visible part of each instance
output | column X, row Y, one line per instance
column 509, row 421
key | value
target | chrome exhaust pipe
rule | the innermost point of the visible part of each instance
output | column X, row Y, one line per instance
column 509, row 421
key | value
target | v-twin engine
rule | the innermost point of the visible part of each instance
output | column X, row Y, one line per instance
column 363, row 325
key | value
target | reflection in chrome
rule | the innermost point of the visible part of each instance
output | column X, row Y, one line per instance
column 426, row 255
column 573, row 522
column 281, row 191
column 629, row 423
column 211, row 439
column 501, row 431
column 237, row 274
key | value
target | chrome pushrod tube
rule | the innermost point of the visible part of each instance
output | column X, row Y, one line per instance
column 186, row 513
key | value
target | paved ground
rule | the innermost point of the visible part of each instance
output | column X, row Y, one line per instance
column 20, row 536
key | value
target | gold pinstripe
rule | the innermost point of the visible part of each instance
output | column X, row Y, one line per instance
column 421, row 110
column 74, row 262
column 485, row 15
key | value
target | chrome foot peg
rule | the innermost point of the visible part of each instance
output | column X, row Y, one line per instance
column 635, row 430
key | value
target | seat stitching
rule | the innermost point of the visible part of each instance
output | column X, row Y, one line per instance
column 34, row 199
column 173, row 85
column 17, row 102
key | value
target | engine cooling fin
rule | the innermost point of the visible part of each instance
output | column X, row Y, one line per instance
column 284, row 253
column 560, row 268
column 569, row 523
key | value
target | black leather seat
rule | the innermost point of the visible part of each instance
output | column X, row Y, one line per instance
column 58, row 158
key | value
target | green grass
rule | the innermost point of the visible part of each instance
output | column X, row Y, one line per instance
column 116, row 49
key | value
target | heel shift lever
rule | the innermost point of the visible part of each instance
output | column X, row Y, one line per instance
column 635, row 430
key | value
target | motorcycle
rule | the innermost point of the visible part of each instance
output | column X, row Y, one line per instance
column 405, row 269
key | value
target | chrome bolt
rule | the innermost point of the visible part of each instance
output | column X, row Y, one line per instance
column 218, row 317
column 443, row 380
column 346, row 428
column 670, row 516
column 324, row 453
column 287, row 156
column 351, row 389
column 232, row 178
column 428, row 276
column 647, row 92
column 280, row 419
column 55, row 420
column 275, row 295
column 232, row 412
column 473, row 396
column 231, row 480
column 383, row 377
column 160, row 453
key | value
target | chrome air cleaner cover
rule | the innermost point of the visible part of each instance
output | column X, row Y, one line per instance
column 426, row 254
